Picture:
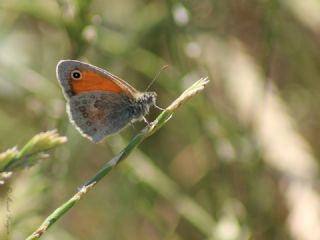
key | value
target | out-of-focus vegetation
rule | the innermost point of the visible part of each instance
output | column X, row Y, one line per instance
column 31, row 153
column 238, row 162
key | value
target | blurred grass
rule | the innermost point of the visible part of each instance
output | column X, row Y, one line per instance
column 246, row 151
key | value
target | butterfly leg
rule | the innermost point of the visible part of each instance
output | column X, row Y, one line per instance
column 146, row 121
column 160, row 108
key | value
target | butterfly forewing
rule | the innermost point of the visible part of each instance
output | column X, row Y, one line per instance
column 91, row 78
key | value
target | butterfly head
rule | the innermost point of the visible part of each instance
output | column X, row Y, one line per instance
column 148, row 98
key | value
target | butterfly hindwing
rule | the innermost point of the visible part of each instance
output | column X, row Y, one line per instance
column 97, row 114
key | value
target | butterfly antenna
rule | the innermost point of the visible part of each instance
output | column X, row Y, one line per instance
column 155, row 78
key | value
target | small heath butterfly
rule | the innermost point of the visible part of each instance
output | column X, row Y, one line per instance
column 98, row 102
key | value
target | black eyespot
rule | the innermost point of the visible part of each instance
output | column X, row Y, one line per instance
column 75, row 74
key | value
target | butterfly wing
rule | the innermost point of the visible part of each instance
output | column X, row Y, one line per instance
column 98, row 114
column 92, row 79
column 98, row 102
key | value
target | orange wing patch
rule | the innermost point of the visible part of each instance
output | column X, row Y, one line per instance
column 92, row 81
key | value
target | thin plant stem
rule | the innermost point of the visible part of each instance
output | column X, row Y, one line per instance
column 163, row 117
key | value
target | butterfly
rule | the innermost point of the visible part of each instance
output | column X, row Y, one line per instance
column 98, row 102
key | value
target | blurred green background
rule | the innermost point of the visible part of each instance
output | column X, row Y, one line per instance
column 239, row 161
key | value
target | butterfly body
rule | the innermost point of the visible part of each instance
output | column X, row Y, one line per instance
column 99, row 103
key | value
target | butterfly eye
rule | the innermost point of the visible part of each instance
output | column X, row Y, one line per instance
column 76, row 75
